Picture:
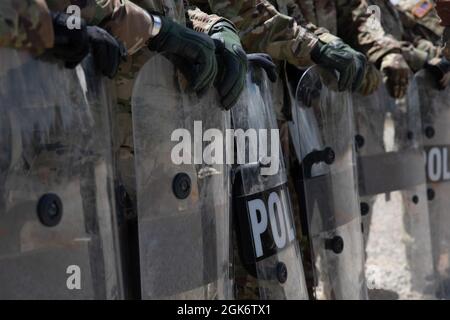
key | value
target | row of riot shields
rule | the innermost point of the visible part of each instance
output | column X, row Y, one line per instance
column 61, row 233
column 415, row 165
column 214, row 212
column 61, row 227
column 348, row 162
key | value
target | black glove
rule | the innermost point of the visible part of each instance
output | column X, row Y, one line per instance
column 438, row 68
column 71, row 46
column 107, row 51
column 339, row 56
column 232, row 62
column 308, row 95
column 264, row 61
column 193, row 53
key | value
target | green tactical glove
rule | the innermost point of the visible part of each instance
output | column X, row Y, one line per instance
column 339, row 56
column 193, row 53
column 232, row 62
column 395, row 72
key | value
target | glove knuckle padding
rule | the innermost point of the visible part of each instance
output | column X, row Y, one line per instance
column 230, row 76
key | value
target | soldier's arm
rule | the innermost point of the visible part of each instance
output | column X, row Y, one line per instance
column 263, row 29
column 122, row 18
column 365, row 34
column 423, row 32
column 26, row 25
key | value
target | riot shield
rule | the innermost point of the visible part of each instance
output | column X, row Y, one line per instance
column 182, row 187
column 370, row 116
column 387, row 165
column 434, row 106
column 268, row 261
column 58, row 237
column 323, row 132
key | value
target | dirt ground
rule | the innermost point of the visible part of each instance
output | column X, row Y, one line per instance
column 387, row 272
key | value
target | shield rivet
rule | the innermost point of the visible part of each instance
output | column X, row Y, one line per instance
column 50, row 210
column 329, row 156
column 335, row 244
column 429, row 132
column 282, row 272
column 360, row 141
column 431, row 194
column 181, row 186
column 365, row 208
column 410, row 135
column 415, row 199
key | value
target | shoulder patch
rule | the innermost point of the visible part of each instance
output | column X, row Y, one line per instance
column 422, row 8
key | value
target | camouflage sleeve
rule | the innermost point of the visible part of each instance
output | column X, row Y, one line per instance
column 263, row 29
column 122, row 18
column 422, row 30
column 131, row 24
column 303, row 13
column 201, row 21
column 363, row 31
column 25, row 24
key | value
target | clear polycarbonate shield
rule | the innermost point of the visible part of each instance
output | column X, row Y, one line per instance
column 323, row 132
column 182, row 187
column 390, row 159
column 370, row 114
column 434, row 106
column 268, row 262
column 58, row 236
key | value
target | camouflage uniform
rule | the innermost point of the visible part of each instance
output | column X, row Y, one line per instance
column 400, row 32
column 25, row 24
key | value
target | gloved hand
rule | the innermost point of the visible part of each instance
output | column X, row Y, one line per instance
column 371, row 82
column 193, row 53
column 107, row 51
column 339, row 56
column 439, row 69
column 72, row 46
column 395, row 72
column 264, row 61
column 232, row 62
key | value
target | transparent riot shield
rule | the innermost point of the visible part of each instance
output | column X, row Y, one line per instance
column 58, row 237
column 434, row 106
column 323, row 132
column 393, row 194
column 268, row 264
column 182, row 187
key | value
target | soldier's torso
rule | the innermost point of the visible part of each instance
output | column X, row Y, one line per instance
column 420, row 19
column 321, row 13
column 390, row 19
column 169, row 8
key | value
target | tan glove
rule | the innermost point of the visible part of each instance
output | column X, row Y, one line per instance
column 396, row 73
